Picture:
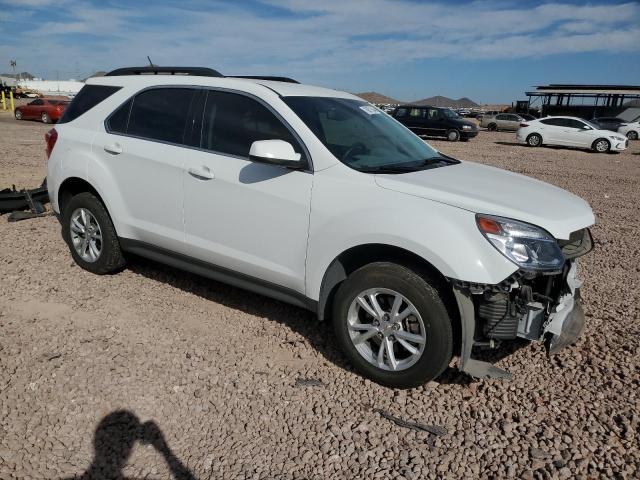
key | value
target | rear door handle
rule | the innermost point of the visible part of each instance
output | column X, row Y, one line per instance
column 113, row 148
column 202, row 173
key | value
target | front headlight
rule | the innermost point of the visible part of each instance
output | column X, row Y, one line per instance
column 612, row 137
column 466, row 127
column 528, row 246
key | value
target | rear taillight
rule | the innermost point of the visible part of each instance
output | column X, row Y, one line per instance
column 50, row 138
column 524, row 125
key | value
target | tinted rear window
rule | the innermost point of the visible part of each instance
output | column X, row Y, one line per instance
column 160, row 114
column 88, row 97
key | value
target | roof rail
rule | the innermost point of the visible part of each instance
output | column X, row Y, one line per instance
column 265, row 77
column 198, row 71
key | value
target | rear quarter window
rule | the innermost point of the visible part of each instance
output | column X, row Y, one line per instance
column 88, row 97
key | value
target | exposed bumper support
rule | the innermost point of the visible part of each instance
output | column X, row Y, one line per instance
column 475, row 368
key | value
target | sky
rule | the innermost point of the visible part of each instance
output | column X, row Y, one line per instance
column 490, row 51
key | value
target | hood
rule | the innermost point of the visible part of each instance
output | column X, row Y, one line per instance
column 483, row 189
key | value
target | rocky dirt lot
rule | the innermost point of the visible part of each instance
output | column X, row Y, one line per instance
column 154, row 373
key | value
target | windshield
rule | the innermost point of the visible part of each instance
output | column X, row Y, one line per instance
column 363, row 137
column 592, row 125
column 450, row 113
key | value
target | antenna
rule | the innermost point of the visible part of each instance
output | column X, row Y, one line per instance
column 150, row 62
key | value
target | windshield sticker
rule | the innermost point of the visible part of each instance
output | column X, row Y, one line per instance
column 371, row 110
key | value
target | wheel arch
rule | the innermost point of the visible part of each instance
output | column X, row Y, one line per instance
column 358, row 256
column 73, row 186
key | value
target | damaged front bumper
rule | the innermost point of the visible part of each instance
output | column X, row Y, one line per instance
column 535, row 306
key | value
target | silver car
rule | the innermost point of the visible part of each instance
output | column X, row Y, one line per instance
column 501, row 121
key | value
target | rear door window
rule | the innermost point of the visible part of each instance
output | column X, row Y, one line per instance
column 554, row 122
column 160, row 114
column 232, row 122
column 88, row 97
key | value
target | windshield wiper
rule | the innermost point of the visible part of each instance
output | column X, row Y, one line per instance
column 390, row 169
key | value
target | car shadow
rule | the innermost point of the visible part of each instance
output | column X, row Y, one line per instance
column 113, row 441
column 510, row 144
column 318, row 335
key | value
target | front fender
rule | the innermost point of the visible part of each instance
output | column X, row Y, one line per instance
column 445, row 236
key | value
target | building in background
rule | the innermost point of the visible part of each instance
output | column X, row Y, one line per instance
column 586, row 101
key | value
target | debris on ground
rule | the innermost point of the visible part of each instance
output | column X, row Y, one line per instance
column 308, row 382
column 436, row 430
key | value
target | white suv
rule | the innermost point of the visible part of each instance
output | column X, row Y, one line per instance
column 315, row 197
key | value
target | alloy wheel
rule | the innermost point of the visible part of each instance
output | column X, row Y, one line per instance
column 86, row 235
column 386, row 329
column 632, row 135
column 602, row 146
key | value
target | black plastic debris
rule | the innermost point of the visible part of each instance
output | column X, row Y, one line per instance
column 436, row 430
column 16, row 202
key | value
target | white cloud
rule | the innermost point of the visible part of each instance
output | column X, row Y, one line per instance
column 315, row 38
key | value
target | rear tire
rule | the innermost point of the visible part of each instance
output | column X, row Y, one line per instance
column 534, row 140
column 453, row 135
column 109, row 257
column 421, row 343
column 601, row 145
column 632, row 135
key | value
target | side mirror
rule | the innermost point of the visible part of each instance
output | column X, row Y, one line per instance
column 275, row 152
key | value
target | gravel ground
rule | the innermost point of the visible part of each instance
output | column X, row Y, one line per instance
column 153, row 372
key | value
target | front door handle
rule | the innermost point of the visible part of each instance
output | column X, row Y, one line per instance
column 202, row 173
column 113, row 148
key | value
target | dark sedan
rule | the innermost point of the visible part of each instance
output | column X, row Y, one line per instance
column 608, row 123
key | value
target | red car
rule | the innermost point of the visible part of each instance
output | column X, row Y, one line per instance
column 47, row 110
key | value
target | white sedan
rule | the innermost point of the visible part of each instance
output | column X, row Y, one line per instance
column 631, row 130
column 570, row 132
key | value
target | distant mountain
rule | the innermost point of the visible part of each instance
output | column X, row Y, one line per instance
column 23, row 75
column 377, row 98
column 440, row 101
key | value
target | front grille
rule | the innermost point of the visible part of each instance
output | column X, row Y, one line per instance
column 579, row 243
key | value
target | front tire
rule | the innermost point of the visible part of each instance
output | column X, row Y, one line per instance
column 392, row 325
column 453, row 135
column 492, row 127
column 90, row 235
column 45, row 117
column 601, row 145
column 18, row 115
column 534, row 140
column 632, row 135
